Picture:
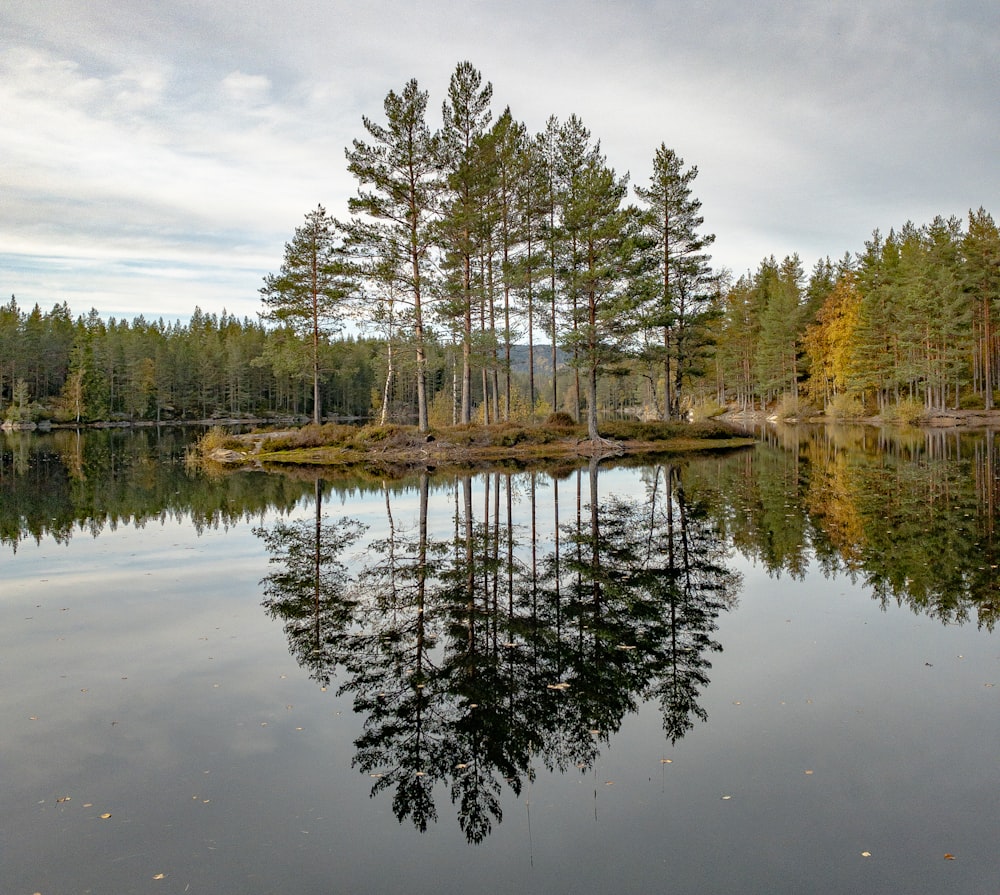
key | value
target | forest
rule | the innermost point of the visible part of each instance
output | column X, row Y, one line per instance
column 486, row 273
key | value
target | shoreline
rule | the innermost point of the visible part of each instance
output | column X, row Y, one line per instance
column 938, row 419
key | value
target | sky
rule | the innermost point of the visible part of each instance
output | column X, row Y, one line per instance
column 156, row 155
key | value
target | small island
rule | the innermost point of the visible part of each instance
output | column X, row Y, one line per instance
column 388, row 449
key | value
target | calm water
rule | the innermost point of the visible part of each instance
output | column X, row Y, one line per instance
column 771, row 671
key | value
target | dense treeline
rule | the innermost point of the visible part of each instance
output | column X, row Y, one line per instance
column 467, row 244
column 907, row 325
column 52, row 366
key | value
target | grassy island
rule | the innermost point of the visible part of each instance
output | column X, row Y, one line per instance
column 398, row 448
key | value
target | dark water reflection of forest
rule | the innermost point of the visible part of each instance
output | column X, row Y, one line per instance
column 913, row 514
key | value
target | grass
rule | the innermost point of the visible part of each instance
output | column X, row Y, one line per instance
column 394, row 448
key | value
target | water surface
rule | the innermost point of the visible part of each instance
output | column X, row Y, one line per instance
column 773, row 670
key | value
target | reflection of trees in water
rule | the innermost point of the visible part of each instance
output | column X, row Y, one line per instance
column 911, row 514
column 58, row 484
column 474, row 648
column 310, row 591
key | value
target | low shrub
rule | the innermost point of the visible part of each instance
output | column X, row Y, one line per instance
column 908, row 410
column 217, row 438
column 845, row 407
column 560, row 419
column 663, row 430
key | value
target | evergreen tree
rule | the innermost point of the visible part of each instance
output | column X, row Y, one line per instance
column 603, row 234
column 397, row 201
column 463, row 155
column 981, row 282
column 673, row 220
column 310, row 291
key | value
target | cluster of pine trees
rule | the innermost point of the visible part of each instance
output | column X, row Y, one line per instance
column 467, row 243
column 481, row 234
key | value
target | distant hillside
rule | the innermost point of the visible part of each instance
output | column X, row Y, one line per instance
column 543, row 359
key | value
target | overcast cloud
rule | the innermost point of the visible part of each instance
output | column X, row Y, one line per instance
column 156, row 154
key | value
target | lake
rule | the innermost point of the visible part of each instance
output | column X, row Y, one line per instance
column 771, row 670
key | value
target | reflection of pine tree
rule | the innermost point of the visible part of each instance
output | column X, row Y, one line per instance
column 393, row 674
column 683, row 572
column 310, row 593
